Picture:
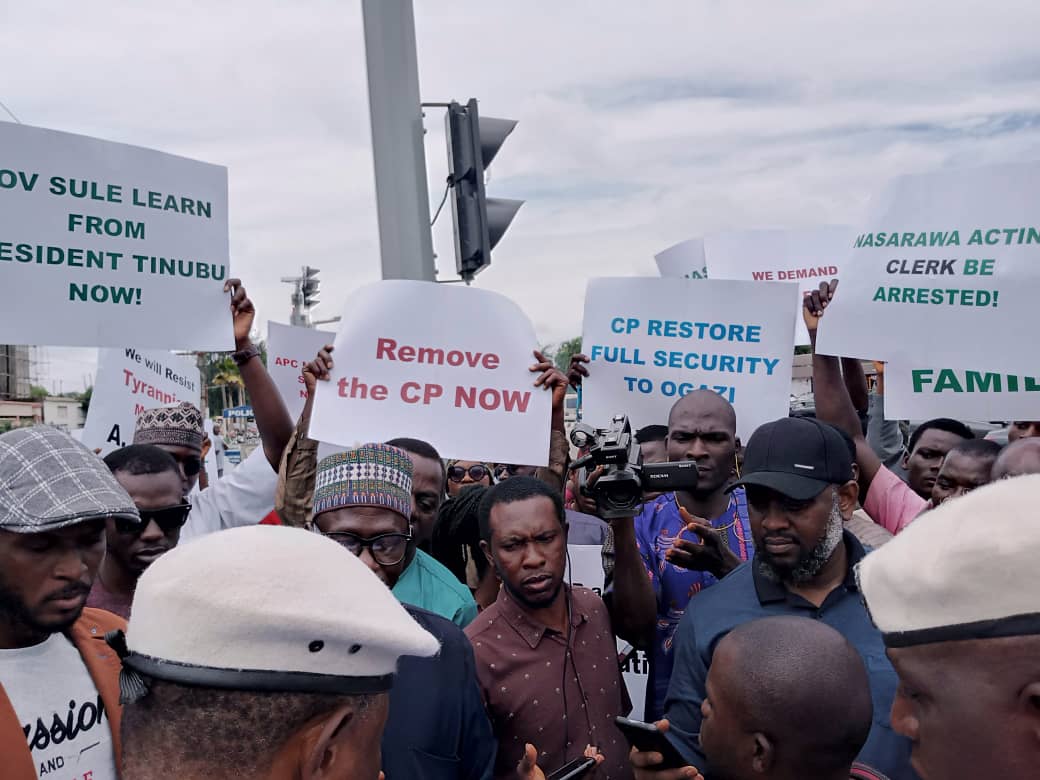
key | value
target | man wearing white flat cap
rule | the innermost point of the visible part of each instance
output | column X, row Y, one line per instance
column 957, row 599
column 261, row 652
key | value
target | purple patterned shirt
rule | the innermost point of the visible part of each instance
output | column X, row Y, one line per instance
column 656, row 528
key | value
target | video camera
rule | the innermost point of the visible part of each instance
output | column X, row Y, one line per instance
column 619, row 490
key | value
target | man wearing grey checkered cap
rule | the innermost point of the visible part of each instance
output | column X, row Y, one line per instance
column 59, row 691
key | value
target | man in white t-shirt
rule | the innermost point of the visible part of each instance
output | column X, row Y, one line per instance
column 59, row 682
column 246, row 495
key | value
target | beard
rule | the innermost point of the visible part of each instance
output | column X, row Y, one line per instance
column 15, row 613
column 810, row 562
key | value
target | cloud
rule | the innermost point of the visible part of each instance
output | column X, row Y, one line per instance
column 639, row 124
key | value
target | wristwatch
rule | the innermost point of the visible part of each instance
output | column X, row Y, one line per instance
column 243, row 356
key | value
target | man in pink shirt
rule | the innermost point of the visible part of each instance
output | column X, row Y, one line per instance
column 890, row 502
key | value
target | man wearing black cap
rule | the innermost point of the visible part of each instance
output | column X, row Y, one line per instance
column 800, row 489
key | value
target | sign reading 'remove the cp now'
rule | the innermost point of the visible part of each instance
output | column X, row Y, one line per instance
column 105, row 244
column 442, row 364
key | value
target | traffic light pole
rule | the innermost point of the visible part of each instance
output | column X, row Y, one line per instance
column 402, row 200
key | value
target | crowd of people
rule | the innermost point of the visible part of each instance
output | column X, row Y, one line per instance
column 825, row 603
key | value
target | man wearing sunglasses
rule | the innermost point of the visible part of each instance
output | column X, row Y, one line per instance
column 152, row 478
column 437, row 727
column 245, row 495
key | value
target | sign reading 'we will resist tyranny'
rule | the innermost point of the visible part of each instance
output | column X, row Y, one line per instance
column 108, row 244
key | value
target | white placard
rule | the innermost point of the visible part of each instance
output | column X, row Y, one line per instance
column 585, row 568
column 130, row 381
column 915, row 392
column 947, row 269
column 289, row 348
column 685, row 260
column 805, row 256
column 447, row 365
column 111, row 245
column 652, row 341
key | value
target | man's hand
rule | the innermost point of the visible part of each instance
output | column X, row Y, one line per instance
column 645, row 763
column 551, row 378
column 528, row 768
column 577, row 371
column 814, row 303
column 316, row 369
column 711, row 553
column 242, row 312
column 207, row 444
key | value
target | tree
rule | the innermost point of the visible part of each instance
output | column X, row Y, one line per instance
column 84, row 399
column 37, row 393
column 561, row 356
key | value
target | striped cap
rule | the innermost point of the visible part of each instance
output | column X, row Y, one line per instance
column 372, row 475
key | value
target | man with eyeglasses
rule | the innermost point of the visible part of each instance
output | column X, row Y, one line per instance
column 152, row 478
column 437, row 727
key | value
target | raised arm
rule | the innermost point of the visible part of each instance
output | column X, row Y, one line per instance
column 272, row 418
column 552, row 379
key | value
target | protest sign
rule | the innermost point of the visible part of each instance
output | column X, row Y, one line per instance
column 130, row 381
column 289, row 348
column 945, row 271
column 806, row 256
column 651, row 341
column 448, row 365
column 916, row 392
column 685, row 259
column 585, row 569
column 111, row 245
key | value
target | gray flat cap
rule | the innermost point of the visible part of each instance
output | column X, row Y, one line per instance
column 48, row 480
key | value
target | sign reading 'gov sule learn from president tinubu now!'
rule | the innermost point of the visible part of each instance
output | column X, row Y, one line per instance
column 105, row 244
column 946, row 272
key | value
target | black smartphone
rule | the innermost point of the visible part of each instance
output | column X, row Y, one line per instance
column 645, row 738
column 572, row 770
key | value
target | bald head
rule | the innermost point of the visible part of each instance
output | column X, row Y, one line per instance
column 1018, row 458
column 705, row 403
column 797, row 686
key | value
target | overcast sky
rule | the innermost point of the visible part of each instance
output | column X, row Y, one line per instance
column 641, row 124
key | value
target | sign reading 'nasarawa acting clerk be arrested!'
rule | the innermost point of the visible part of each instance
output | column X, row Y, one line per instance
column 109, row 244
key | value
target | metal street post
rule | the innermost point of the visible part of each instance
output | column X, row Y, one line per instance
column 405, row 242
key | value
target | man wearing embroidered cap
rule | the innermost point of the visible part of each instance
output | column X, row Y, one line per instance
column 263, row 652
column 800, row 489
column 245, row 495
column 437, row 727
column 957, row 599
column 59, row 702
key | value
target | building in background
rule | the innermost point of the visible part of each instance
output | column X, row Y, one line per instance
column 64, row 413
column 14, row 372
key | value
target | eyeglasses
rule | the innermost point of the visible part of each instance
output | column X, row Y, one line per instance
column 386, row 549
column 168, row 518
column 511, row 469
column 477, row 472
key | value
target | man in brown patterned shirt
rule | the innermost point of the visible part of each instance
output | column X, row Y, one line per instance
column 546, row 654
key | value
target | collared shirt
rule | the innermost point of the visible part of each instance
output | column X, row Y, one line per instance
column 437, row 728
column 429, row 584
column 891, row 503
column 538, row 690
column 656, row 529
column 243, row 496
column 746, row 595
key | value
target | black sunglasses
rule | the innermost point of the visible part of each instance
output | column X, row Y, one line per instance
column 511, row 469
column 386, row 549
column 168, row 518
column 476, row 472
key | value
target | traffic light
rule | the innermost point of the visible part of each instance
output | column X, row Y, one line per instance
column 309, row 286
column 479, row 221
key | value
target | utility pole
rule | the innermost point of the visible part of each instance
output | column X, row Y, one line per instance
column 402, row 201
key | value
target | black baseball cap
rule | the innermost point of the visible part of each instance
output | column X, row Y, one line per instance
column 796, row 456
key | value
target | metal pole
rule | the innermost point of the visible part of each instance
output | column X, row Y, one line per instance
column 405, row 243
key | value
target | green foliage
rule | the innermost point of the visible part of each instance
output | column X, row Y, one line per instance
column 561, row 356
column 37, row 393
column 84, row 399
